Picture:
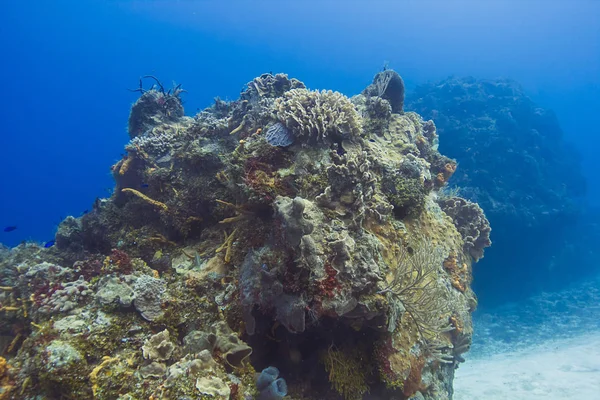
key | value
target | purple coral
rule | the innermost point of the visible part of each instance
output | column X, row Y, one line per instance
column 471, row 223
column 279, row 135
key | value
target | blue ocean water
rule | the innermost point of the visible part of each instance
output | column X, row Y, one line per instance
column 69, row 67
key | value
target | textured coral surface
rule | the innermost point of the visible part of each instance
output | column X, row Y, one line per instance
column 318, row 251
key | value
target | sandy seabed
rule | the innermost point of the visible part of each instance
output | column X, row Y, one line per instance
column 556, row 369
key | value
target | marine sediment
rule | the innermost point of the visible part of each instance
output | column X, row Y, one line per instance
column 294, row 232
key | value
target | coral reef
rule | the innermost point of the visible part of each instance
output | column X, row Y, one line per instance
column 292, row 232
column 470, row 221
column 490, row 125
column 154, row 107
column 389, row 86
column 516, row 165
column 315, row 116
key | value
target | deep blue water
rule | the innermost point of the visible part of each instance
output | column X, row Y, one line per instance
column 67, row 66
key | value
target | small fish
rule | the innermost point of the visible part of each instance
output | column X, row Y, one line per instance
column 49, row 244
column 144, row 185
column 10, row 228
column 85, row 212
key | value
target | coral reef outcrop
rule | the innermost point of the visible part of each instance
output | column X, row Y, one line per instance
column 291, row 231
column 515, row 163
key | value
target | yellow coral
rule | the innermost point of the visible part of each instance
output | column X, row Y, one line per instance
column 3, row 366
column 5, row 381
column 227, row 244
column 94, row 374
column 160, row 239
column 147, row 199
column 13, row 344
column 241, row 213
column 239, row 127
column 125, row 165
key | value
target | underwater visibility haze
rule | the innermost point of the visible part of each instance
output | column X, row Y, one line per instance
column 300, row 200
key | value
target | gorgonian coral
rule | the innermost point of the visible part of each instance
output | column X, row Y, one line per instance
column 318, row 116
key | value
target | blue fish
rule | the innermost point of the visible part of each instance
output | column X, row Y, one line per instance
column 10, row 228
column 49, row 244
column 144, row 185
column 85, row 212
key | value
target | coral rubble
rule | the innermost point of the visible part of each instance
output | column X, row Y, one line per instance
column 291, row 231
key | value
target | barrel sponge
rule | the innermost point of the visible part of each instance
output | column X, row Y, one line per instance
column 318, row 116
column 471, row 223
column 388, row 85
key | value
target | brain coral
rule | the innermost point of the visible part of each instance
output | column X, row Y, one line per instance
column 318, row 116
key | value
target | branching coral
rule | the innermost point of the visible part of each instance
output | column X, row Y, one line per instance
column 315, row 116
column 147, row 199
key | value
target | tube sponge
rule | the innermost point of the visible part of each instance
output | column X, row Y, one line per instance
column 275, row 391
column 270, row 386
column 266, row 377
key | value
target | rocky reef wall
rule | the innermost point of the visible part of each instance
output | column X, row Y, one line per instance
column 514, row 162
column 295, row 232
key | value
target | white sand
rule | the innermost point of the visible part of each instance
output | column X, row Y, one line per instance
column 558, row 369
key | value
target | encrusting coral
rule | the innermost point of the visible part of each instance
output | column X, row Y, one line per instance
column 290, row 230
